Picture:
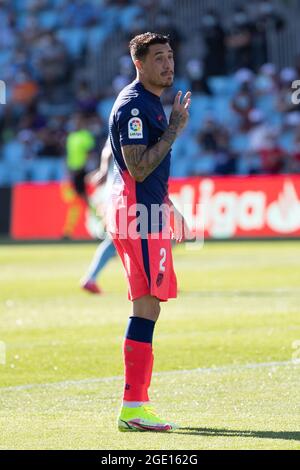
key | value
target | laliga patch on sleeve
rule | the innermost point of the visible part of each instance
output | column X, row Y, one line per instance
column 135, row 128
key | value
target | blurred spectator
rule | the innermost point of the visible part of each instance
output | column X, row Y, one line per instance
column 295, row 162
column 239, row 40
column 24, row 89
column 137, row 26
column 86, row 101
column 49, row 144
column 266, row 80
column 259, row 131
column 263, row 142
column 35, row 6
column 29, row 142
column 242, row 103
column 78, row 13
column 195, row 73
column 32, row 119
column 99, row 132
column 214, row 148
column 214, row 39
column 31, row 30
column 164, row 25
column 7, row 34
column 273, row 157
column 208, row 136
column 267, row 20
column 225, row 161
column 51, row 59
column 297, row 65
column 126, row 74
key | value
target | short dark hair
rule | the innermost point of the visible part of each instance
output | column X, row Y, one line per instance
column 140, row 44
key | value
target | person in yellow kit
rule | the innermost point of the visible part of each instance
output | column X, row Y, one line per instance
column 79, row 143
column 78, row 146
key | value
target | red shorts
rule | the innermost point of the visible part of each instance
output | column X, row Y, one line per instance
column 149, row 266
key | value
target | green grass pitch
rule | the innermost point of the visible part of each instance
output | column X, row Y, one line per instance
column 226, row 350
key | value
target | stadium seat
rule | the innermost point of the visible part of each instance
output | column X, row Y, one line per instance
column 286, row 141
column 13, row 152
column 21, row 20
column 240, row 142
column 4, row 174
column 185, row 155
column 247, row 164
column 266, row 103
column 222, row 85
column 56, row 3
column 21, row 5
column 74, row 39
column 96, row 36
column 48, row 19
column 45, row 169
column 60, row 170
column 127, row 16
column 181, row 83
column 5, row 57
column 204, row 164
column 16, row 173
column 222, row 109
column 201, row 107
column 104, row 108
column 275, row 119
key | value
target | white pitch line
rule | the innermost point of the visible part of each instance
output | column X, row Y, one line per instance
column 200, row 370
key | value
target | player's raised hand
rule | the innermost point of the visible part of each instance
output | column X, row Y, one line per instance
column 180, row 111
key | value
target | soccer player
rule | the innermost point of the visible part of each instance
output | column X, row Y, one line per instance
column 106, row 250
column 78, row 146
column 141, row 140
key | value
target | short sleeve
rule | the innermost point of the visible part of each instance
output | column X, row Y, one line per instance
column 133, row 126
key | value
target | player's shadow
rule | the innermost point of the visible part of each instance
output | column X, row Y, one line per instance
column 215, row 432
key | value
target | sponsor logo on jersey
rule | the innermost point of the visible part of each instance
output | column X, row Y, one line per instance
column 135, row 128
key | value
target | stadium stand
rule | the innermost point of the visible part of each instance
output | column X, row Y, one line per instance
column 59, row 58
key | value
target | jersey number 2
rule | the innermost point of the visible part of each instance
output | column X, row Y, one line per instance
column 163, row 254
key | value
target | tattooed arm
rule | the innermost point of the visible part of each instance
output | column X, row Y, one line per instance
column 141, row 160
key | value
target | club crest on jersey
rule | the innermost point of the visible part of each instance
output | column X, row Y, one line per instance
column 135, row 128
column 159, row 279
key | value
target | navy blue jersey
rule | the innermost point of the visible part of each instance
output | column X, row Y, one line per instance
column 138, row 118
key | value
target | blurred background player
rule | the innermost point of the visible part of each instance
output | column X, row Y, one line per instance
column 79, row 143
column 106, row 250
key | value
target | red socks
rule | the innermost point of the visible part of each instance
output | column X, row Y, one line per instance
column 138, row 362
column 138, row 359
